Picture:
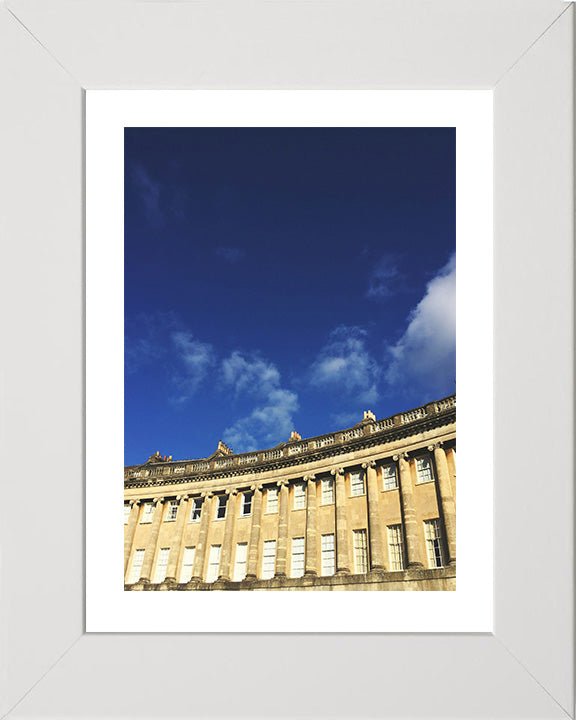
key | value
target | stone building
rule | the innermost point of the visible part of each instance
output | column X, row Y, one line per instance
column 372, row 507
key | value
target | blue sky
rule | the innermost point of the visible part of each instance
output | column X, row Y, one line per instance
column 281, row 279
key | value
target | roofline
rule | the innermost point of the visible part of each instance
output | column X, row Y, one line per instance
column 306, row 446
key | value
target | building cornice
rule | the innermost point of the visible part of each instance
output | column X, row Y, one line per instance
column 323, row 447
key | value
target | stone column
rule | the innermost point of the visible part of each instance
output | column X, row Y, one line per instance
column 130, row 531
column 282, row 545
column 200, row 554
column 374, row 520
column 342, row 555
column 252, row 565
column 409, row 512
column 226, row 556
column 152, row 540
column 176, row 550
column 311, row 525
column 447, row 499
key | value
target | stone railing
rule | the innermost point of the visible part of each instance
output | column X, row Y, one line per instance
column 297, row 449
column 382, row 425
column 446, row 403
column 351, row 434
column 324, row 441
column 412, row 415
column 246, row 459
column 272, row 454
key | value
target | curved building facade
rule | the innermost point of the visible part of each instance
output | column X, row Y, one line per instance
column 372, row 507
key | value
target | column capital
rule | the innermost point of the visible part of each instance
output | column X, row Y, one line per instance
column 337, row 471
column 156, row 501
column 369, row 464
column 207, row 494
column 231, row 491
column 401, row 456
column 256, row 487
column 282, row 483
column 435, row 446
column 182, row 497
column 133, row 502
column 309, row 478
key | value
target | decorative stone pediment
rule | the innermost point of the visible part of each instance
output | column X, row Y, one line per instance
column 221, row 451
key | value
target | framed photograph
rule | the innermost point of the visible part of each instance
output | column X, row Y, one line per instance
column 74, row 637
column 198, row 342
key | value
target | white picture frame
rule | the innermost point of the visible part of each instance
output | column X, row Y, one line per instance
column 54, row 50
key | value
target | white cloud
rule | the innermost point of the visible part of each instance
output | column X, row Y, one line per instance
column 149, row 192
column 230, row 254
column 271, row 420
column 425, row 355
column 345, row 363
column 384, row 279
column 250, row 374
column 145, row 338
column 196, row 359
column 268, row 424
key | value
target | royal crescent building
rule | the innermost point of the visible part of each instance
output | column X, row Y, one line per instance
column 372, row 507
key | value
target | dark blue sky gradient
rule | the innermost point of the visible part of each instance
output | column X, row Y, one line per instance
column 256, row 244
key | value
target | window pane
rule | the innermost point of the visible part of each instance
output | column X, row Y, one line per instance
column 161, row 563
column 272, row 500
column 268, row 559
column 299, row 496
column 187, row 564
column 221, row 507
column 396, row 547
column 389, row 477
column 327, row 545
column 136, row 566
column 240, row 562
column 360, row 551
column 196, row 510
column 297, row 561
column 432, row 533
column 357, row 483
column 424, row 469
column 327, row 491
column 147, row 513
column 213, row 563
column 247, row 503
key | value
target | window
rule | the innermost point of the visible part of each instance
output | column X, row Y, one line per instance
column 213, row 563
column 147, row 513
column 328, row 565
column 137, row 562
column 396, row 547
column 268, row 559
column 126, row 514
column 327, row 491
column 240, row 562
column 196, row 510
column 172, row 510
column 187, row 564
column 356, row 483
column 389, row 479
column 297, row 562
column 299, row 496
column 161, row 565
column 246, row 503
column 272, row 500
column 360, row 551
column 424, row 471
column 433, row 537
column 221, row 507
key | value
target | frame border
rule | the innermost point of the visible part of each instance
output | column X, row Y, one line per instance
column 525, row 669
